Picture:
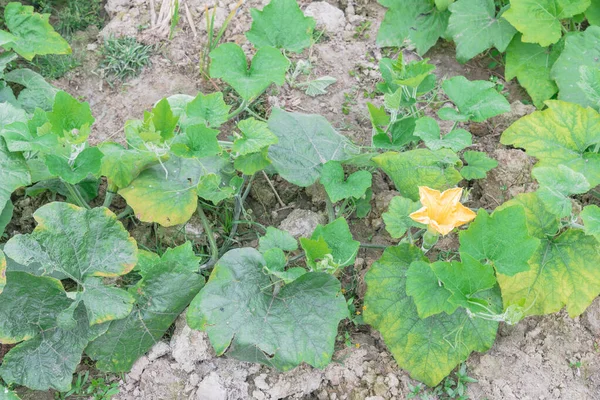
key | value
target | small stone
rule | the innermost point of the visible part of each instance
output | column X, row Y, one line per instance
column 211, row 388
column 327, row 16
column 158, row 350
column 138, row 368
column 261, row 382
column 189, row 346
column 302, row 223
column 92, row 46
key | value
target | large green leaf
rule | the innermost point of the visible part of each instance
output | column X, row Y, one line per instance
column 556, row 184
column 420, row 167
column 417, row 21
column 424, row 287
column 330, row 246
column 13, row 173
column 87, row 162
column 255, row 137
column 428, row 130
column 593, row 13
column 591, row 220
column 306, row 142
column 531, row 64
column 477, row 99
column 228, row 62
column 540, row 20
column 20, row 137
column 32, row 33
column 120, row 166
column 277, row 239
column 166, row 193
column 197, row 141
column 428, row 348
column 478, row 165
column 209, row 109
column 560, row 135
column 167, row 286
column 70, row 118
column 581, row 53
column 475, row 27
column 83, row 245
column 338, row 188
column 397, row 220
column 500, row 239
column 6, row 394
column 10, row 114
column 37, row 93
column 244, row 317
column 281, row 24
column 564, row 271
column 540, row 221
column 48, row 355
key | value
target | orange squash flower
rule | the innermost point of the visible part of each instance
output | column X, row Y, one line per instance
column 442, row 212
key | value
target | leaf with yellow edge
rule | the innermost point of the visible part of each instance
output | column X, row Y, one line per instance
column 2, row 271
column 564, row 271
column 561, row 134
column 85, row 246
column 428, row 348
column 167, row 193
column 591, row 220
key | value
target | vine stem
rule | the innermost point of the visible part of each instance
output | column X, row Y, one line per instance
column 239, row 110
column 239, row 200
column 111, row 190
column 125, row 213
column 76, row 195
column 330, row 210
column 214, row 250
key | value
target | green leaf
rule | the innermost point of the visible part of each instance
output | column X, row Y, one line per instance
column 332, row 178
column 255, row 136
column 591, row 220
column 6, row 214
column 32, row 33
column 82, row 245
column 212, row 189
column 70, row 119
column 429, row 296
column 197, row 141
column 163, row 119
column 166, row 193
column 209, row 109
column 428, row 130
column 88, row 162
column 37, row 93
column 428, row 348
column 277, row 239
column 582, row 49
column 500, row 239
column 397, row 220
column 590, row 85
column 450, row 114
column 443, row 4
column 558, row 135
column 478, row 165
column 247, row 320
column 531, row 64
column 414, row 73
column 556, row 184
column 420, row 167
column 340, row 250
column 318, row 86
column 475, row 27
column 563, row 271
column 6, row 394
column 10, row 114
column 402, row 133
column 2, row 270
column 19, row 137
column 306, row 142
column 178, row 103
column 48, row 355
column 167, row 286
column 540, row 221
column 540, row 20
column 228, row 62
column 14, row 172
column 417, row 21
column 275, row 265
column 593, row 13
column 477, row 99
column 281, row 24
column 465, row 279
column 121, row 166
column 250, row 164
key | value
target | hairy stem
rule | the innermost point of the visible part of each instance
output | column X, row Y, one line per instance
column 111, row 190
column 239, row 110
column 214, row 250
column 76, row 195
column 330, row 210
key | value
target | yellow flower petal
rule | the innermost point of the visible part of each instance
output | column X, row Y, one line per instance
column 421, row 216
column 429, row 197
column 463, row 215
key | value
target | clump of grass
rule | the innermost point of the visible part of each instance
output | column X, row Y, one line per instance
column 123, row 58
column 77, row 15
column 55, row 66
